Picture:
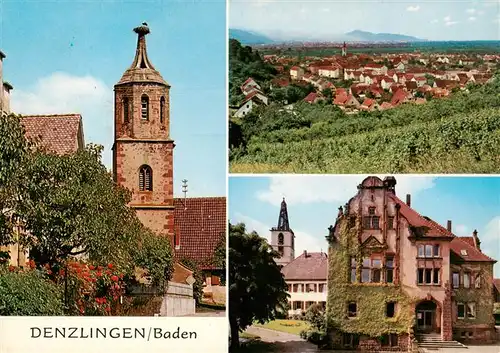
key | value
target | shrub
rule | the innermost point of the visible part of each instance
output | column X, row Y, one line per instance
column 28, row 293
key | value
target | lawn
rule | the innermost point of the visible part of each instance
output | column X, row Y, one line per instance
column 290, row 326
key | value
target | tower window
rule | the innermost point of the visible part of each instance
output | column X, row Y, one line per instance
column 162, row 109
column 280, row 239
column 144, row 107
column 125, row 110
column 145, row 178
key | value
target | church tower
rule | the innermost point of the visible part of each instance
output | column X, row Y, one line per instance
column 344, row 49
column 282, row 238
column 143, row 148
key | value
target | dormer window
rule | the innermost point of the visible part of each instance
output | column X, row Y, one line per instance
column 463, row 252
column 145, row 107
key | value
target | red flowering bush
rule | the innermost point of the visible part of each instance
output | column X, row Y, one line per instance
column 90, row 290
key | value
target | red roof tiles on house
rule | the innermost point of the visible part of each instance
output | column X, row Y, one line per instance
column 415, row 219
column 308, row 266
column 60, row 134
column 468, row 240
column 200, row 223
column 468, row 252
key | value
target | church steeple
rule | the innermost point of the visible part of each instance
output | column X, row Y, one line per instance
column 142, row 70
column 283, row 218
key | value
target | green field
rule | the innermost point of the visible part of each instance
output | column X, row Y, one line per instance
column 294, row 327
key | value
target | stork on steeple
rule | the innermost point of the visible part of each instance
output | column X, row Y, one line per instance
column 283, row 218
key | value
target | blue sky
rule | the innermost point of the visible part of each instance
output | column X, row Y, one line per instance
column 65, row 57
column 320, row 19
column 313, row 201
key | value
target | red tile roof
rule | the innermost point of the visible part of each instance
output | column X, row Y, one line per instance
column 200, row 222
column 468, row 240
column 310, row 266
column 415, row 219
column 458, row 245
column 60, row 134
column 311, row 97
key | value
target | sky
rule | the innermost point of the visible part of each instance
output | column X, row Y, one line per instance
column 66, row 56
column 324, row 19
column 313, row 202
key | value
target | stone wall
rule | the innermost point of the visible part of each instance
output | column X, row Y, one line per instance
column 178, row 300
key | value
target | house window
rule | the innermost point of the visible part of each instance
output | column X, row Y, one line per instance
column 390, row 223
column 390, row 309
column 427, row 276
column 353, row 270
column 421, row 251
column 350, row 340
column 145, row 178
column 162, row 109
column 352, row 309
column 466, row 280
column 461, row 310
column 145, row 107
column 365, row 272
column 371, row 221
column 376, row 270
column 389, row 271
column 471, row 310
column 389, row 340
column 428, row 250
column 477, row 281
column 126, row 109
column 322, row 288
column 311, row 287
column 436, row 251
column 456, row 279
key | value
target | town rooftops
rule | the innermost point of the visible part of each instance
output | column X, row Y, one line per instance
column 467, row 252
column 61, row 134
column 200, row 224
column 308, row 266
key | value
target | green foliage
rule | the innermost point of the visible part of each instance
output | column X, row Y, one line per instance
column 370, row 298
column 257, row 289
column 28, row 293
column 317, row 332
column 457, row 134
column 220, row 257
column 154, row 254
column 198, row 276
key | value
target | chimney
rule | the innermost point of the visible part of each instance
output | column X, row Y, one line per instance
column 477, row 242
column 408, row 200
column 448, row 226
column 305, row 253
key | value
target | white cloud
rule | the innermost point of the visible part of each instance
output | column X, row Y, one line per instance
column 307, row 189
column 448, row 22
column 490, row 241
column 472, row 18
column 63, row 93
column 303, row 240
column 434, row 21
column 413, row 8
column 447, row 19
column 471, row 11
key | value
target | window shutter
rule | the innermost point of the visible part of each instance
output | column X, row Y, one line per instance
column 141, row 179
column 148, row 179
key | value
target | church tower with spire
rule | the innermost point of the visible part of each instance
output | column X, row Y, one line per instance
column 344, row 49
column 282, row 237
column 143, row 148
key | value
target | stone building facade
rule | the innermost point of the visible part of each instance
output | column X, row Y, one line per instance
column 143, row 148
column 393, row 272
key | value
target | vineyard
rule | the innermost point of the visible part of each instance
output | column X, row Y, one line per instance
column 460, row 134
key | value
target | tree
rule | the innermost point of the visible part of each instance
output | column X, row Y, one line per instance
column 220, row 257
column 197, row 275
column 257, row 289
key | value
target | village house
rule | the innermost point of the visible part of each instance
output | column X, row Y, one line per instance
column 296, row 73
column 394, row 272
column 252, row 100
column 249, row 86
column 346, row 101
column 329, row 71
column 369, row 105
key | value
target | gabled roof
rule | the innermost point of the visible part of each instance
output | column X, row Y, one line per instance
column 416, row 220
column 468, row 252
column 200, row 222
column 60, row 134
column 308, row 266
column 468, row 240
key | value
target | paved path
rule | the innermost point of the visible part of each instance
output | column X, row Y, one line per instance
column 283, row 342
column 209, row 314
column 471, row 349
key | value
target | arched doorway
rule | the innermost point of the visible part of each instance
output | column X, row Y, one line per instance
column 428, row 316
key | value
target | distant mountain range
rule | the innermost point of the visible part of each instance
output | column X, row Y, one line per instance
column 253, row 38
column 249, row 38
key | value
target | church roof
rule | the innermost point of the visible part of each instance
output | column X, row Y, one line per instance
column 141, row 69
column 60, row 134
column 308, row 266
column 200, row 223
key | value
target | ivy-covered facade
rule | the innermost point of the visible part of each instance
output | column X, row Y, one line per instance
column 391, row 274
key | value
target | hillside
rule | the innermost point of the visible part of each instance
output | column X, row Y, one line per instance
column 364, row 36
column 249, row 38
column 460, row 134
